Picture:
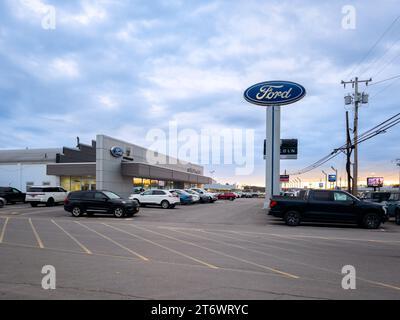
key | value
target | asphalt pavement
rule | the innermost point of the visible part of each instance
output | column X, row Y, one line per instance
column 224, row 250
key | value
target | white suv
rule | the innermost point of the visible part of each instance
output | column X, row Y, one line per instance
column 45, row 195
column 163, row 198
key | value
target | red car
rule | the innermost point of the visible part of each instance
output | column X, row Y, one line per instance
column 227, row 196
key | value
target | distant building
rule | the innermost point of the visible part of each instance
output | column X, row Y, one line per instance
column 107, row 164
column 220, row 187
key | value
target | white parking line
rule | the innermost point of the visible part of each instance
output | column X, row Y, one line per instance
column 164, row 247
column 73, row 238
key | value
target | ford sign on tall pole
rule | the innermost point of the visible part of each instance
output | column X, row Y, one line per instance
column 273, row 94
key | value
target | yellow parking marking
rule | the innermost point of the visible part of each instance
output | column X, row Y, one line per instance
column 113, row 241
column 3, row 231
column 243, row 248
column 381, row 284
column 39, row 241
column 221, row 253
column 73, row 238
column 164, row 247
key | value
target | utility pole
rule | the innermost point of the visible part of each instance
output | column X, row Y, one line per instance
column 398, row 164
column 349, row 150
column 357, row 99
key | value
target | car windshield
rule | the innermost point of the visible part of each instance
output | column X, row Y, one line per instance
column 111, row 195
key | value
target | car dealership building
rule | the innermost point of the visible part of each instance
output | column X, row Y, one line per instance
column 106, row 164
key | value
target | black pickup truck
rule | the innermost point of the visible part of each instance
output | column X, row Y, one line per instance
column 327, row 206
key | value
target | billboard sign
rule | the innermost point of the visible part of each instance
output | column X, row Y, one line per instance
column 332, row 178
column 289, row 149
column 375, row 182
column 274, row 93
column 285, row 178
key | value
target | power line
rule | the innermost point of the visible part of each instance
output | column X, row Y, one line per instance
column 377, row 130
column 388, row 63
column 385, row 80
column 374, row 46
column 385, row 88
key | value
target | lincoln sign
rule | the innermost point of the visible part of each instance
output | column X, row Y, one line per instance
column 274, row 93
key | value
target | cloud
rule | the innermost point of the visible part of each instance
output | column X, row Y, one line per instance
column 61, row 67
column 123, row 68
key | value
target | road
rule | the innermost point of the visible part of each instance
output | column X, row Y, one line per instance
column 225, row 250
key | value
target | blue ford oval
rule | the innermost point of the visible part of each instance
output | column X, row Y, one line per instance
column 274, row 93
column 117, row 152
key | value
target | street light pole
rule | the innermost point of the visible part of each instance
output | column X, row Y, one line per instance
column 336, row 172
column 326, row 179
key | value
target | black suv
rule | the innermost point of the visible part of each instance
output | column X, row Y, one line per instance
column 12, row 195
column 107, row 202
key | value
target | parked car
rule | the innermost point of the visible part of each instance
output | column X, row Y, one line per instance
column 96, row 201
column 327, row 206
column 204, row 195
column 48, row 196
column 184, row 197
column 12, row 195
column 246, row 195
column 388, row 199
column 195, row 195
column 163, row 198
column 377, row 197
column 227, row 196
column 2, row 202
column 392, row 206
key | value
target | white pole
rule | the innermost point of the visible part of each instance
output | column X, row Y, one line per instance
column 272, row 159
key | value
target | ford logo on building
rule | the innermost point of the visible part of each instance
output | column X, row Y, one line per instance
column 274, row 93
column 117, row 152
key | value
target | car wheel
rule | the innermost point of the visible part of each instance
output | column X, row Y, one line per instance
column 50, row 202
column 165, row 204
column 34, row 205
column 1, row 204
column 292, row 218
column 119, row 212
column 371, row 221
column 76, row 212
column 397, row 218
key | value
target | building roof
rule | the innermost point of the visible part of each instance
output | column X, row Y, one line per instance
column 29, row 155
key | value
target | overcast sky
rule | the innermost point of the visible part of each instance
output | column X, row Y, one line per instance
column 122, row 68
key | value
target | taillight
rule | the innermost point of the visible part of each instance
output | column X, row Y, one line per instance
column 66, row 201
column 272, row 204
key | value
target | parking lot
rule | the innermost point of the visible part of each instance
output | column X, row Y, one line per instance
column 224, row 250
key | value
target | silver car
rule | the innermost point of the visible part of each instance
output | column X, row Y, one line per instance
column 2, row 202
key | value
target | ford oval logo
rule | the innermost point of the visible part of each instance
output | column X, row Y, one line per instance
column 117, row 152
column 274, row 93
